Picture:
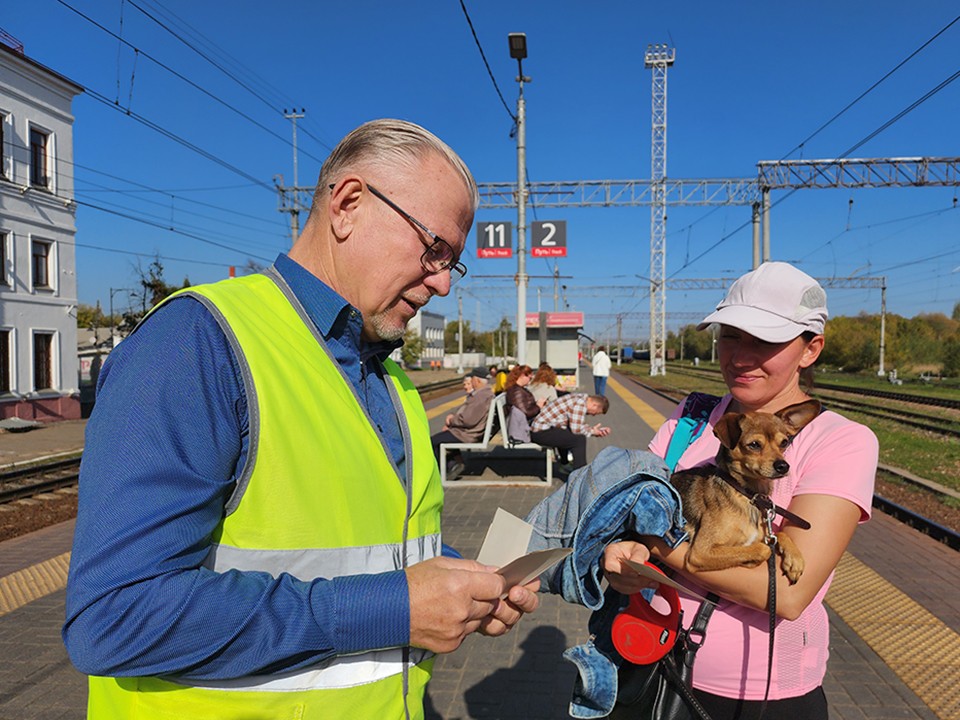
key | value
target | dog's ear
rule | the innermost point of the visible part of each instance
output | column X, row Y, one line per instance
column 727, row 429
column 797, row 416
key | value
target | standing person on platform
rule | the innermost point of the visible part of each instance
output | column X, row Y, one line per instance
column 771, row 333
column 601, row 371
column 259, row 523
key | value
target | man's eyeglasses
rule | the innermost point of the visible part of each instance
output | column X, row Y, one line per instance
column 438, row 256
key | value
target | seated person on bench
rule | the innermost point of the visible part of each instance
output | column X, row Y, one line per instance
column 521, row 403
column 562, row 424
column 544, row 384
column 467, row 424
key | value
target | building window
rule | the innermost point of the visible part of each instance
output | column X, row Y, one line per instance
column 3, row 260
column 5, row 366
column 39, row 158
column 40, row 263
column 3, row 145
column 42, row 361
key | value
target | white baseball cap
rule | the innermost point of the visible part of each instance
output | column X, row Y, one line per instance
column 776, row 303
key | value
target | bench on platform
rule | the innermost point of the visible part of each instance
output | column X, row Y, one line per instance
column 496, row 414
column 510, row 443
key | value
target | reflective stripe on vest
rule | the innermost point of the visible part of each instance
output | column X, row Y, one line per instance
column 348, row 671
column 319, row 497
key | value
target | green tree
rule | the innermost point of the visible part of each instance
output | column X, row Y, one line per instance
column 951, row 357
column 91, row 316
column 451, row 344
column 412, row 349
column 852, row 343
column 154, row 289
column 696, row 343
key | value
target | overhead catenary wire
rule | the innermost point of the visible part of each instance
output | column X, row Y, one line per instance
column 870, row 89
column 485, row 63
column 229, row 73
column 899, row 116
column 146, row 188
column 184, row 78
column 280, row 98
column 192, row 236
column 860, row 97
column 176, row 138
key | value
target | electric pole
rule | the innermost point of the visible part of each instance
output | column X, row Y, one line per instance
column 294, row 209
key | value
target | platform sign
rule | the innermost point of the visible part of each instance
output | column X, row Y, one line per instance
column 494, row 240
column 548, row 238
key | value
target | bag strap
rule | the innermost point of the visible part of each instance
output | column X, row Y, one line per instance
column 690, row 425
column 692, row 641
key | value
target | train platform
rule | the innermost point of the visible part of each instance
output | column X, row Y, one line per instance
column 894, row 605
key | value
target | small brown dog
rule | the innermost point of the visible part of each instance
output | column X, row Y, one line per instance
column 726, row 528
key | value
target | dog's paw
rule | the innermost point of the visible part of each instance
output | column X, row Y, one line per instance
column 792, row 565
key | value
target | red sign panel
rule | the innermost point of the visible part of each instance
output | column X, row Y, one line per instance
column 557, row 319
column 548, row 252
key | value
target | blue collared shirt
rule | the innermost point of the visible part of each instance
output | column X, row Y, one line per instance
column 163, row 449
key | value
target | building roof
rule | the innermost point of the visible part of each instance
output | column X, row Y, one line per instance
column 8, row 46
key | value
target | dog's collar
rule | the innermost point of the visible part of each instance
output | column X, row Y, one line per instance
column 763, row 502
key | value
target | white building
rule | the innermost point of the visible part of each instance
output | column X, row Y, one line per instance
column 38, row 281
column 429, row 327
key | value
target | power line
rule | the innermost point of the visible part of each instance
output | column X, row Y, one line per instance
column 176, row 138
column 167, row 228
column 146, row 188
column 153, row 217
column 148, row 255
column 871, row 88
column 899, row 116
column 485, row 63
column 834, row 118
column 174, row 230
column 223, row 69
column 180, row 76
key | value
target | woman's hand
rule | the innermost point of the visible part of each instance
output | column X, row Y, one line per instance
column 618, row 573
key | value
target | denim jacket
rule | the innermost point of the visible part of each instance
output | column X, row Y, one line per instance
column 620, row 493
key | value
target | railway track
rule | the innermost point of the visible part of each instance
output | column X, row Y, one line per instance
column 24, row 482
column 38, row 478
column 950, row 403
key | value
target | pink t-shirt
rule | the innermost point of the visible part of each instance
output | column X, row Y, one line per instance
column 830, row 456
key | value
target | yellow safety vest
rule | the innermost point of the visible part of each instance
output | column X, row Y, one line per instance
column 318, row 497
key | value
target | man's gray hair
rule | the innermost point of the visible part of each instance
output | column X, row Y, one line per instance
column 390, row 142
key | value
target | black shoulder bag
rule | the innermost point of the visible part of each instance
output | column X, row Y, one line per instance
column 662, row 690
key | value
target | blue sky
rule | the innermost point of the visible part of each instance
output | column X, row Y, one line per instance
column 752, row 80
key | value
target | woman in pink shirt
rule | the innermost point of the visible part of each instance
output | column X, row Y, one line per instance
column 771, row 332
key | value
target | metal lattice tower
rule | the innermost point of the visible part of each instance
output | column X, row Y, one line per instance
column 658, row 58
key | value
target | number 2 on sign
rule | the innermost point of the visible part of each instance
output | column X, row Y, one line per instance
column 548, row 240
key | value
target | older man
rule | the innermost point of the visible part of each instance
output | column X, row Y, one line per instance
column 259, row 523
column 468, row 423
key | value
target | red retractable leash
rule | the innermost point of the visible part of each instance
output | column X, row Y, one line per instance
column 641, row 633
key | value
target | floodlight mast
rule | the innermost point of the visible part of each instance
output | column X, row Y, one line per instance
column 518, row 51
column 658, row 58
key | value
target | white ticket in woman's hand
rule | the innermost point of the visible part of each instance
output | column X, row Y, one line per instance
column 652, row 574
